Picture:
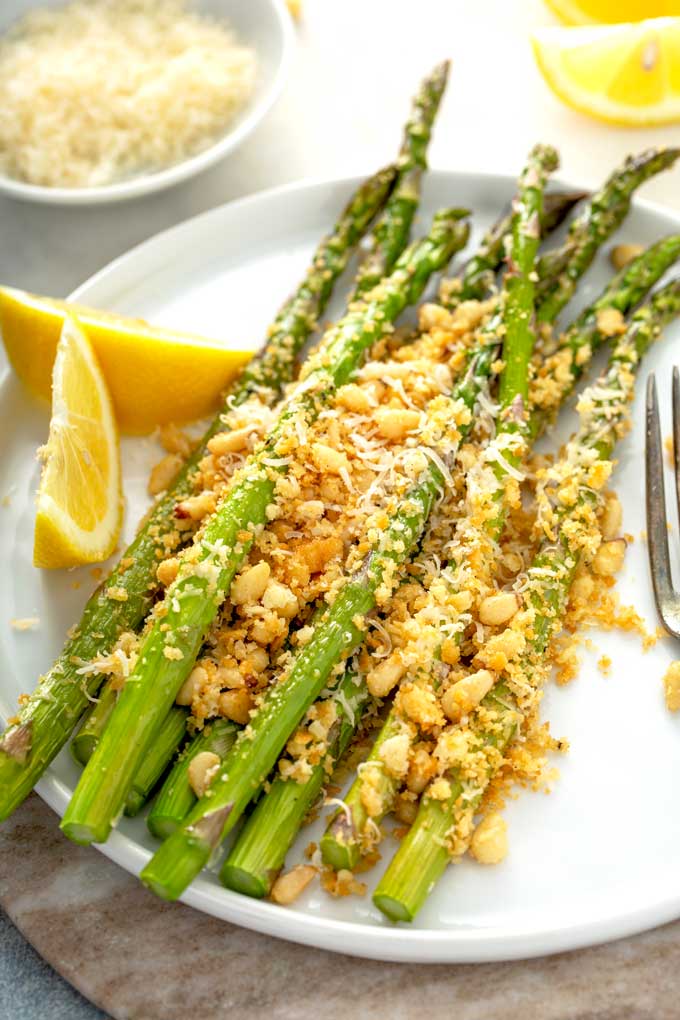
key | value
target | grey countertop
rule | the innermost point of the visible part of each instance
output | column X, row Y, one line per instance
column 29, row 987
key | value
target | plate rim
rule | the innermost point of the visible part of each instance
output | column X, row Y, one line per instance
column 492, row 943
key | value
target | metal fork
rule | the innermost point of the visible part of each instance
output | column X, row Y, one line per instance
column 666, row 598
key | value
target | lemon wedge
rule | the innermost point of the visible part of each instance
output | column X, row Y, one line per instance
column 600, row 12
column 154, row 375
column 625, row 74
column 80, row 500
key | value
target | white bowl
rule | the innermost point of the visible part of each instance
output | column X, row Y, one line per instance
column 265, row 25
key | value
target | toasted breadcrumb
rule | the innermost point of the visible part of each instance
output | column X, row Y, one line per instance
column 25, row 623
column 669, row 447
column 671, row 686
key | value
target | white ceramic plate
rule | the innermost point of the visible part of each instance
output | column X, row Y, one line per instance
column 265, row 25
column 595, row 860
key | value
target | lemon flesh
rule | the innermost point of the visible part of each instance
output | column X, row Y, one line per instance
column 624, row 74
column 155, row 376
column 600, row 12
column 80, row 502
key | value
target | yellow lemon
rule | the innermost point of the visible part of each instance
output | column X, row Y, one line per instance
column 624, row 74
column 80, row 500
column 154, row 375
column 601, row 12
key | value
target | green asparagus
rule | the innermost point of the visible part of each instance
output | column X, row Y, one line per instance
column 423, row 855
column 391, row 233
column 561, row 268
column 477, row 277
column 258, row 856
column 156, row 761
column 176, row 797
column 342, row 842
column 191, row 602
column 336, row 635
column 48, row 718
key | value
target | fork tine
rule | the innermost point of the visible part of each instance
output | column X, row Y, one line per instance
column 676, row 434
column 657, row 532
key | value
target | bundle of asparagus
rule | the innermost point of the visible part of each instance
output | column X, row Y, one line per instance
column 345, row 537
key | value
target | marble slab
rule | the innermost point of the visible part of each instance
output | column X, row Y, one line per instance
column 140, row 959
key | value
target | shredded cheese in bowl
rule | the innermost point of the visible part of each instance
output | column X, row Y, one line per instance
column 101, row 90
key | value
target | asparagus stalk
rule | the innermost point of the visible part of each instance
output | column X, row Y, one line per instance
column 422, row 856
column 259, row 854
column 477, row 277
column 392, row 231
column 207, row 569
column 176, row 797
column 584, row 337
column 337, row 634
column 47, row 719
column 561, row 268
column 342, row 841
column 341, row 845
column 388, row 240
column 85, row 740
column 156, row 760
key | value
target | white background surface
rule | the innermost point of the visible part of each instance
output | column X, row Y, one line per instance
column 357, row 63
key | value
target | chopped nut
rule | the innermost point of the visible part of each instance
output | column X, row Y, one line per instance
column 228, row 442
column 489, row 843
column 191, row 685
column 466, row 694
column 421, row 770
column 236, row 705
column 166, row 572
column 229, row 676
column 353, row 398
column 499, row 608
column 608, row 559
column 612, row 517
column 257, row 659
column 196, row 507
column 292, row 884
column 251, row 584
column 385, row 676
column 163, row 473
column 394, row 753
column 173, row 440
column 281, row 599
column 202, row 770
column 395, row 422
column 328, row 459
column 622, row 254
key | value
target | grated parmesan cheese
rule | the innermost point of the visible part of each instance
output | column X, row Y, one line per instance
column 99, row 90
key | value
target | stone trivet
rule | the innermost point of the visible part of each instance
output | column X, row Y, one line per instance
column 141, row 959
